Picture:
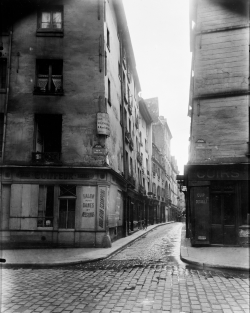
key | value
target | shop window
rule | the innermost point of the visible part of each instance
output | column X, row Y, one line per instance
column 67, row 205
column 46, row 206
column 3, row 73
column 50, row 21
column 48, row 132
column 1, row 132
column 49, row 77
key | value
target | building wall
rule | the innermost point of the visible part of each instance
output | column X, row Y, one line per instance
column 220, row 84
column 217, row 201
column 83, row 84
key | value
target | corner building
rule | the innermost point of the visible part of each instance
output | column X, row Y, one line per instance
column 217, row 174
column 68, row 77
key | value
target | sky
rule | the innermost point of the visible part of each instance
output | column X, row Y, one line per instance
column 159, row 30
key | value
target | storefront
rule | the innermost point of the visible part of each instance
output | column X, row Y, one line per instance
column 60, row 207
column 218, row 204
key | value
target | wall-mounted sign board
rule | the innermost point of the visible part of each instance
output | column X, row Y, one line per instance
column 103, row 124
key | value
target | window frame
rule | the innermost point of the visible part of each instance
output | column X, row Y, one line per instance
column 4, row 61
column 109, row 92
column 37, row 88
column 108, row 39
column 50, row 31
column 68, row 197
column 43, row 191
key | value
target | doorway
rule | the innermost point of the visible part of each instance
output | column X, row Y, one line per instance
column 223, row 215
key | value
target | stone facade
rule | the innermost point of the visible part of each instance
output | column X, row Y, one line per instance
column 219, row 111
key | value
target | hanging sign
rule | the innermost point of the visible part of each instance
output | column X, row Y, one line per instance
column 103, row 124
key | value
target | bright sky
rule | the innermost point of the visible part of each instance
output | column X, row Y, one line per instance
column 159, row 31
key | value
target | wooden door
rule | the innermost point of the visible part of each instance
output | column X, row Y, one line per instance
column 223, row 218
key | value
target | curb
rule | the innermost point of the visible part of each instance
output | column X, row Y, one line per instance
column 217, row 266
column 45, row 265
column 207, row 265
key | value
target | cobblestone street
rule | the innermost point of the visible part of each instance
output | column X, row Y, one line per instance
column 147, row 276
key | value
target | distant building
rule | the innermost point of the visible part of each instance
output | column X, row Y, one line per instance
column 217, row 174
column 164, row 167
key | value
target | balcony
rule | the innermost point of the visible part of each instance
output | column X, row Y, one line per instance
column 139, row 158
column 46, row 158
column 131, row 181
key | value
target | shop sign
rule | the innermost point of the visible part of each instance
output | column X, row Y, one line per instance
column 99, row 150
column 103, row 124
column 101, row 211
column 216, row 172
column 88, row 209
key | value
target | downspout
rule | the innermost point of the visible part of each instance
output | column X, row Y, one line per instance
column 7, row 94
column 123, row 145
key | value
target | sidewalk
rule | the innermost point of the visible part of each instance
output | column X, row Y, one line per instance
column 67, row 256
column 235, row 258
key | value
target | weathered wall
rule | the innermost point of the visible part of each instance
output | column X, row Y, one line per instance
column 223, row 124
column 114, row 142
column 220, row 114
column 221, row 57
column 82, row 83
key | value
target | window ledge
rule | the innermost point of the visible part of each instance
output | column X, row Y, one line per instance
column 40, row 93
column 49, row 32
column 2, row 90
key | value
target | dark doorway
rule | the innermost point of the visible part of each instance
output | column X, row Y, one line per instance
column 223, row 215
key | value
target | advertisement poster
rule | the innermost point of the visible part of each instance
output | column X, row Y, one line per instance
column 88, row 207
column 101, row 207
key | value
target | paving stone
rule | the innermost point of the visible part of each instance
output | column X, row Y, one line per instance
column 141, row 278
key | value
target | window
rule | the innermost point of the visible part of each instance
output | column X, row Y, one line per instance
column 119, row 70
column 48, row 131
column 109, row 92
column 49, row 77
column 108, row 39
column 67, row 205
column 45, row 206
column 120, row 114
column 1, row 132
column 51, row 18
column 131, row 166
column 3, row 73
column 105, row 63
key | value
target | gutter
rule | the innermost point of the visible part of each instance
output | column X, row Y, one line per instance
column 7, row 95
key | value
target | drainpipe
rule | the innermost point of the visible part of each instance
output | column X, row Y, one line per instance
column 7, row 95
column 123, row 146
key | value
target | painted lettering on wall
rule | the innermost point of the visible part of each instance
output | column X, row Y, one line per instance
column 53, row 175
column 88, row 201
column 101, row 208
column 217, row 174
